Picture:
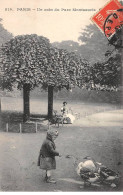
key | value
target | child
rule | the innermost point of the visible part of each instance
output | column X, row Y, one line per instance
column 46, row 159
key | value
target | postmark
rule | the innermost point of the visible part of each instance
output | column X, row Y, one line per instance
column 109, row 20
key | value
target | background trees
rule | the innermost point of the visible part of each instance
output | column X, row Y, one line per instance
column 104, row 59
column 4, row 34
column 4, row 37
column 95, row 43
column 106, row 72
column 92, row 44
column 107, row 75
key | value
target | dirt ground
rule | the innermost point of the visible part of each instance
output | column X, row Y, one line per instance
column 98, row 135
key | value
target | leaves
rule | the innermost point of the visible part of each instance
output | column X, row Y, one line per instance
column 21, row 61
column 107, row 75
column 31, row 59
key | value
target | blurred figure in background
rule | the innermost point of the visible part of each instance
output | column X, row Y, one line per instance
column 68, row 118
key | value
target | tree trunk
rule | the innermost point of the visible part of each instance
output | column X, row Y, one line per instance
column 26, row 102
column 50, row 102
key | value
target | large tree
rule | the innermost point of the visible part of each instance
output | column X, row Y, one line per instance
column 24, row 59
column 29, row 61
column 65, row 70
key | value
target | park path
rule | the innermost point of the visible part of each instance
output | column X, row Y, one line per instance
column 98, row 135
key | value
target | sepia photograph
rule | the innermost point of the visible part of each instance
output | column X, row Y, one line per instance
column 61, row 96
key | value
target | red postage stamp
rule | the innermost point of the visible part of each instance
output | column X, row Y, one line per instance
column 109, row 18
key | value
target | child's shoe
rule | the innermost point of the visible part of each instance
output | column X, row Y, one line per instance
column 50, row 180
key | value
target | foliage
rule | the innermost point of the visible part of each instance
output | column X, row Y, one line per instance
column 94, row 42
column 30, row 59
column 66, row 70
column 104, row 70
column 105, row 73
column 24, row 59
column 108, row 74
column 4, row 37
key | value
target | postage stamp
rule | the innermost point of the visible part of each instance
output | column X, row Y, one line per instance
column 109, row 19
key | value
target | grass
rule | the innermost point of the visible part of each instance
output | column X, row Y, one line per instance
column 12, row 113
column 15, row 119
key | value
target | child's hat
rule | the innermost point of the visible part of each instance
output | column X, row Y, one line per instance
column 52, row 132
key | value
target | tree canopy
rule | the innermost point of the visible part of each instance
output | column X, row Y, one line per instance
column 31, row 59
column 66, row 69
column 104, row 68
column 24, row 59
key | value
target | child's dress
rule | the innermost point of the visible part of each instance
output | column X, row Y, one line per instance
column 68, row 118
column 46, row 159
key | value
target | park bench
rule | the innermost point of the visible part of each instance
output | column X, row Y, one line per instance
column 57, row 118
column 60, row 119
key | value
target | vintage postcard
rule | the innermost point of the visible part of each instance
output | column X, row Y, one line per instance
column 61, row 96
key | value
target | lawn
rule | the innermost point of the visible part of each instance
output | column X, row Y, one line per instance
column 39, row 106
column 12, row 113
